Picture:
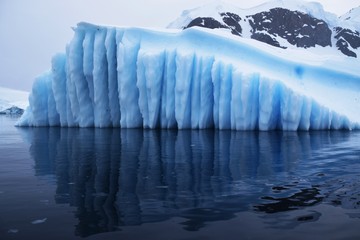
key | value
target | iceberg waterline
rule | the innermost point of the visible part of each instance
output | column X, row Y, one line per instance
column 131, row 78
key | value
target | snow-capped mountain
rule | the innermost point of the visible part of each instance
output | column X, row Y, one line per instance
column 13, row 101
column 284, row 24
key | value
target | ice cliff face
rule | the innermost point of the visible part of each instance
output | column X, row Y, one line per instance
column 132, row 77
column 283, row 24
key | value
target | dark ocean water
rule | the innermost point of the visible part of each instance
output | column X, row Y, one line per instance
column 75, row 183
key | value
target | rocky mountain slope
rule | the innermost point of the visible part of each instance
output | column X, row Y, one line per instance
column 284, row 24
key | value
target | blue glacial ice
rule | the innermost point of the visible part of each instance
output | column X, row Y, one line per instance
column 133, row 78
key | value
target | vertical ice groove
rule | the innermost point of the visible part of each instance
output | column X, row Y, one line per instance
column 141, row 85
column 58, row 68
column 316, row 116
column 154, row 65
column 184, row 74
column 339, row 122
column 38, row 101
column 336, row 122
column 305, row 114
column 329, row 120
column 236, row 103
column 163, row 103
column 251, row 106
column 195, row 92
column 70, row 92
column 118, row 37
column 168, row 93
column 110, row 44
column 268, row 104
column 150, row 76
column 326, row 121
column 88, row 62
column 53, row 115
column 326, row 118
column 320, row 118
column 85, row 115
column 239, row 91
column 346, row 124
column 71, row 87
column 206, row 94
column 244, row 102
column 215, row 76
column 128, row 49
column 291, row 109
column 102, row 117
column 225, row 96
column 88, row 66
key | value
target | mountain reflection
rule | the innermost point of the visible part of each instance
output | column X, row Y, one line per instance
column 121, row 177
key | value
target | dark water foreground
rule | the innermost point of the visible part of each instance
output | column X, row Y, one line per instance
column 144, row 184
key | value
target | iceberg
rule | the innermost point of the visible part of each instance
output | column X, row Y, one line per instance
column 191, row 79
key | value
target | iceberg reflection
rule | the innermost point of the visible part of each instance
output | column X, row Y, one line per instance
column 122, row 177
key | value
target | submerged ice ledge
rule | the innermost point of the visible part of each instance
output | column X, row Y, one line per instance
column 131, row 78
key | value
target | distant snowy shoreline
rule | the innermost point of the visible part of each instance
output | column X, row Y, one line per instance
column 13, row 101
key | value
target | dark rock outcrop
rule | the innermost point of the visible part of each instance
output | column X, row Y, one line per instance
column 205, row 22
column 13, row 111
column 297, row 28
column 232, row 21
column 347, row 38
column 281, row 27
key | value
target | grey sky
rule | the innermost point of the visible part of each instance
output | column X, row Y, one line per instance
column 31, row 32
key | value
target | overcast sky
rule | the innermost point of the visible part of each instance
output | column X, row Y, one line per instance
column 32, row 31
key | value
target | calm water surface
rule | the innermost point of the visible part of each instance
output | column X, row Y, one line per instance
column 143, row 184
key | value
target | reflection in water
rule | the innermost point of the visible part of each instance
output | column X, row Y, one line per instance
column 121, row 177
column 306, row 197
